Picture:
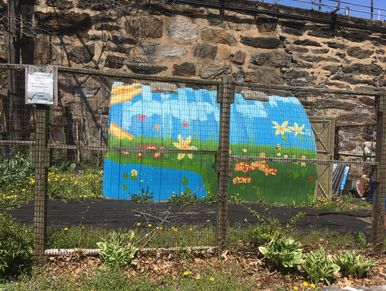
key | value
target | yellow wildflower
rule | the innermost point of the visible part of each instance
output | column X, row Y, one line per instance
column 65, row 228
column 211, row 279
column 138, row 224
column 313, row 286
column 149, row 225
column 186, row 273
column 296, row 288
column 197, row 277
column 305, row 284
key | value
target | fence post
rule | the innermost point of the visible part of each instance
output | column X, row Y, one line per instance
column 225, row 97
column 40, row 159
column 378, row 231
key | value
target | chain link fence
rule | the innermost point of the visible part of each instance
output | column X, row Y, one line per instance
column 190, row 162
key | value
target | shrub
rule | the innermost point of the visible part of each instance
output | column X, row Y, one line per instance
column 351, row 263
column 320, row 267
column 15, row 171
column 118, row 249
column 283, row 253
column 15, row 248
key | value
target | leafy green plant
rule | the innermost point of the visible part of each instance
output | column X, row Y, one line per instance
column 15, row 248
column 184, row 198
column 320, row 267
column 15, row 170
column 351, row 263
column 118, row 249
column 265, row 231
column 283, row 253
column 361, row 240
column 145, row 196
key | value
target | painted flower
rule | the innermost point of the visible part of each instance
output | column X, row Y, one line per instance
column 141, row 117
column 157, row 127
column 302, row 157
column 245, row 150
column 262, row 155
column 184, row 124
column 157, row 155
column 139, row 155
column 281, row 128
column 134, row 173
column 297, row 129
column 184, row 145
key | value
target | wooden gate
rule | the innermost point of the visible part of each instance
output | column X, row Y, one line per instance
column 324, row 131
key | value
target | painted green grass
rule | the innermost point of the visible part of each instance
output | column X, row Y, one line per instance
column 292, row 183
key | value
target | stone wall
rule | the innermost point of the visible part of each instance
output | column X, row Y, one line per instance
column 198, row 42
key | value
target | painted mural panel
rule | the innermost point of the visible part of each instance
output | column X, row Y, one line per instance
column 142, row 118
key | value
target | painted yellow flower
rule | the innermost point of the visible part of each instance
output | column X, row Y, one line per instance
column 297, row 129
column 184, row 145
column 134, row 173
column 281, row 129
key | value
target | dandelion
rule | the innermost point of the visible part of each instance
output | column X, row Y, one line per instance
column 149, row 225
column 212, row 279
column 186, row 273
column 197, row 277
column 138, row 224
column 65, row 229
column 313, row 286
column 296, row 288
column 305, row 284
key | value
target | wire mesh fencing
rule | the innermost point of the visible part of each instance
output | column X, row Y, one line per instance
column 197, row 163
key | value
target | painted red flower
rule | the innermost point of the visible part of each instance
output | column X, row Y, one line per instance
column 150, row 147
column 157, row 155
column 184, row 124
column 139, row 155
column 141, row 117
column 310, row 179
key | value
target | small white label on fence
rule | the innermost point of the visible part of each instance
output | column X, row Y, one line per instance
column 41, row 85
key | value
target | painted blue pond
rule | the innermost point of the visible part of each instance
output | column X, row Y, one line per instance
column 128, row 179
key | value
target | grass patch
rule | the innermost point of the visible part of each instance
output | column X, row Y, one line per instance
column 208, row 279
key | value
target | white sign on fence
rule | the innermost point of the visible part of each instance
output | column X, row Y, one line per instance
column 41, row 85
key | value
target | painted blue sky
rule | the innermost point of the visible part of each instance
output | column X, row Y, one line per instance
column 195, row 113
column 362, row 12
